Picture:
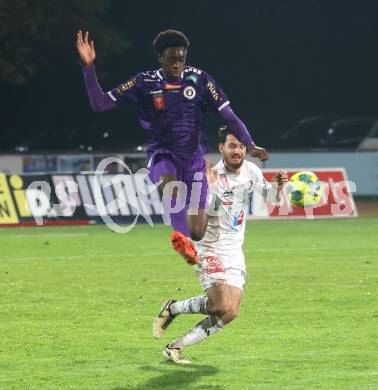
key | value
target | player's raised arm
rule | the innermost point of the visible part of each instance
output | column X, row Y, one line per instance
column 242, row 134
column 99, row 100
column 85, row 49
column 219, row 101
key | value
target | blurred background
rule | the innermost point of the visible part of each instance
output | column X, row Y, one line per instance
column 302, row 75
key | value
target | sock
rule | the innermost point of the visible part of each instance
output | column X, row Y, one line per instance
column 195, row 305
column 207, row 327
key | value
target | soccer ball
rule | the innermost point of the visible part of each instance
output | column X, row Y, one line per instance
column 304, row 189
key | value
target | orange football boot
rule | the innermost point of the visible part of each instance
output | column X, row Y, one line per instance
column 185, row 247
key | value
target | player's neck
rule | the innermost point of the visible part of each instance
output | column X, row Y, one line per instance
column 169, row 78
column 235, row 171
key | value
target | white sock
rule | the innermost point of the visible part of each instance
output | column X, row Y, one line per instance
column 207, row 327
column 195, row 305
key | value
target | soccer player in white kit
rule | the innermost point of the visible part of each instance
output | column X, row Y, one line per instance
column 221, row 267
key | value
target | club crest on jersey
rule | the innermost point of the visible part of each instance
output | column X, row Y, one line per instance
column 189, row 92
column 159, row 103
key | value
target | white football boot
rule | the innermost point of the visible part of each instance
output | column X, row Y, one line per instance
column 163, row 320
column 175, row 355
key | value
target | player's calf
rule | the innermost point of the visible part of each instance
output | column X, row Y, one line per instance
column 197, row 223
column 230, row 315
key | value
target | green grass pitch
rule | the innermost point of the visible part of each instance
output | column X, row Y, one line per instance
column 77, row 305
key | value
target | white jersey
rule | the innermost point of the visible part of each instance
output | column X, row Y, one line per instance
column 229, row 209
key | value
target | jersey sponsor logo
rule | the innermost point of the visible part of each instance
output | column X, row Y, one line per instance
column 159, row 102
column 126, row 86
column 172, row 86
column 212, row 265
column 227, row 193
column 158, row 92
column 213, row 91
column 228, row 203
column 189, row 92
column 149, row 80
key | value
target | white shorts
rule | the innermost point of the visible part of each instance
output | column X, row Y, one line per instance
column 213, row 270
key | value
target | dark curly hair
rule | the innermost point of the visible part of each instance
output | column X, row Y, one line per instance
column 169, row 38
column 223, row 132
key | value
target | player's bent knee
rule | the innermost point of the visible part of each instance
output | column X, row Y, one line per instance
column 233, row 313
column 230, row 315
column 167, row 178
column 197, row 222
column 196, row 235
column 164, row 180
column 197, row 232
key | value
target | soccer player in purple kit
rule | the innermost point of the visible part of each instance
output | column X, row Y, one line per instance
column 171, row 105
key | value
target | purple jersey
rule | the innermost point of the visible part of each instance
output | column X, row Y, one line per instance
column 173, row 111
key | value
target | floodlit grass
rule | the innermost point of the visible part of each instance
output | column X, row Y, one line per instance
column 77, row 305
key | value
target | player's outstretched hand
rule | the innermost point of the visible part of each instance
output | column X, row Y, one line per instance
column 280, row 178
column 212, row 176
column 85, row 48
column 256, row 151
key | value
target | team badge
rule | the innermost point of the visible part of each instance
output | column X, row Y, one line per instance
column 189, row 92
column 159, row 103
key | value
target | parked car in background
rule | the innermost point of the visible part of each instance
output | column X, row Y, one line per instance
column 370, row 142
column 348, row 133
column 326, row 132
column 306, row 133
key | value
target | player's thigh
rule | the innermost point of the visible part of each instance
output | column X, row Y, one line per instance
column 162, row 170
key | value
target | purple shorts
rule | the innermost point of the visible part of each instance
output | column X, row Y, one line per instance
column 191, row 172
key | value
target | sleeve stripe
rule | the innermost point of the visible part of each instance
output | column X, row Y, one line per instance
column 112, row 96
column 223, row 105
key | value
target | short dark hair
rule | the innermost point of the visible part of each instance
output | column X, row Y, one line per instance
column 223, row 132
column 169, row 38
